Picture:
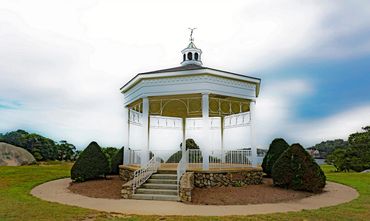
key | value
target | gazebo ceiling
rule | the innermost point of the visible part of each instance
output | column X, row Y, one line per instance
column 190, row 105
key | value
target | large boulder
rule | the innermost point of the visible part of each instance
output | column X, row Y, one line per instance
column 277, row 147
column 11, row 155
column 92, row 163
column 296, row 169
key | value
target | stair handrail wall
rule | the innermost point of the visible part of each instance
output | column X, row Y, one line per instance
column 141, row 175
column 181, row 169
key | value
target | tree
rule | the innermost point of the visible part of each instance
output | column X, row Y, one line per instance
column 42, row 148
column 109, row 152
column 356, row 156
column 296, row 169
column 65, row 150
column 116, row 161
column 277, row 147
column 339, row 159
column 92, row 163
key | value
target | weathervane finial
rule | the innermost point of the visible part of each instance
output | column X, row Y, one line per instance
column 191, row 33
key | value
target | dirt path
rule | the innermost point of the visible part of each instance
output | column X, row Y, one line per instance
column 57, row 191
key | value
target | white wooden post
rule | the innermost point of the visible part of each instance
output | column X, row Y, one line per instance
column 222, row 140
column 183, row 146
column 205, row 116
column 126, row 135
column 145, row 133
column 252, row 109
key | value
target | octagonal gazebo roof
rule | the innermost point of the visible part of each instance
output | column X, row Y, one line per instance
column 190, row 78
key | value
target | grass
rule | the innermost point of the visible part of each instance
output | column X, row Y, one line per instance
column 16, row 203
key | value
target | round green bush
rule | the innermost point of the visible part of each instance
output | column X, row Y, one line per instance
column 296, row 169
column 277, row 147
column 92, row 163
column 117, row 160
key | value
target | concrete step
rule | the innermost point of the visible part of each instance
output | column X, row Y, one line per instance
column 164, row 176
column 166, row 171
column 161, row 181
column 154, row 197
column 160, row 186
column 156, row 191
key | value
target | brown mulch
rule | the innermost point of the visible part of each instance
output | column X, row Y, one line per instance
column 250, row 194
column 103, row 188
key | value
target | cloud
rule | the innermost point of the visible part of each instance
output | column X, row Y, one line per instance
column 62, row 64
column 275, row 108
column 275, row 116
column 337, row 126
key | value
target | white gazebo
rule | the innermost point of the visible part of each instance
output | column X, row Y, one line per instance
column 216, row 108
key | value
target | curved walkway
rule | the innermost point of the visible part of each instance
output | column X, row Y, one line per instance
column 56, row 191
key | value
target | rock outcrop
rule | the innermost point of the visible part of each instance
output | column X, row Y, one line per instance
column 11, row 155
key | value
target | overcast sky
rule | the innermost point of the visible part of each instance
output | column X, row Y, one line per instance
column 62, row 62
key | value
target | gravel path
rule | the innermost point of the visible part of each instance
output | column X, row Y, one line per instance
column 57, row 191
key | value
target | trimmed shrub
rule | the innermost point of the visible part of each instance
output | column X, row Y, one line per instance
column 277, row 147
column 117, row 160
column 92, row 163
column 190, row 144
column 176, row 157
column 296, row 169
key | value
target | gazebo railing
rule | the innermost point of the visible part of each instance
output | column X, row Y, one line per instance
column 219, row 159
column 142, row 174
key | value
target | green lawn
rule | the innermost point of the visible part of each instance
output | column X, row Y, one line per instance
column 16, row 203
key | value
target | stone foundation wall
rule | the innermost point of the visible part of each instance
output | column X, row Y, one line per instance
column 236, row 178
column 127, row 191
column 126, row 173
column 186, row 186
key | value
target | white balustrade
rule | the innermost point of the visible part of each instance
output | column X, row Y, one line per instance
column 237, row 120
column 141, row 175
column 135, row 117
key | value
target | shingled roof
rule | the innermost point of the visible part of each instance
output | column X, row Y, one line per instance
column 188, row 67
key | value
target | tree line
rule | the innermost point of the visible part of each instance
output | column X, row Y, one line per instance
column 353, row 154
column 46, row 149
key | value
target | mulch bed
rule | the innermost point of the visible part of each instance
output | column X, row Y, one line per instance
column 103, row 188
column 250, row 194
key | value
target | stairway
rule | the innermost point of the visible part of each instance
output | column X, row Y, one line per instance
column 160, row 186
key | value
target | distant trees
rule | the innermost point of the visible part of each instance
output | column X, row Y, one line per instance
column 40, row 147
column 327, row 147
column 355, row 156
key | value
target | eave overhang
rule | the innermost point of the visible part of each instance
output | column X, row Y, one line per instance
column 208, row 71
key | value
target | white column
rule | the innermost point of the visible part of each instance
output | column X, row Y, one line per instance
column 205, row 116
column 145, row 132
column 222, row 140
column 183, row 147
column 126, row 134
column 252, row 109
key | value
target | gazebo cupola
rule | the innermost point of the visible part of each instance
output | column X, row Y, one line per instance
column 191, row 54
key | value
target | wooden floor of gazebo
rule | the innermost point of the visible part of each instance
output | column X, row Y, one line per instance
column 198, row 167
